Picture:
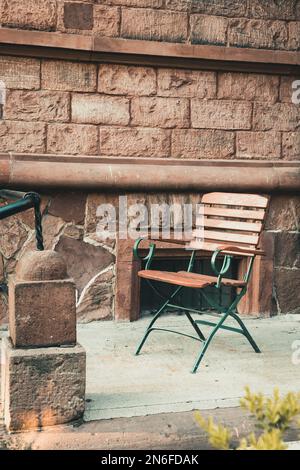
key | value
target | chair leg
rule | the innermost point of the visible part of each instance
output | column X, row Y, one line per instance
column 156, row 317
column 207, row 342
column 246, row 332
column 195, row 326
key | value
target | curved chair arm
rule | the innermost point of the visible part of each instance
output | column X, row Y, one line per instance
column 149, row 257
column 225, row 266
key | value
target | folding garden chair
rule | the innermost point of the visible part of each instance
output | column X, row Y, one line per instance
column 232, row 225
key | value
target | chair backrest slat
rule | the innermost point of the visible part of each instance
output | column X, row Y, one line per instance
column 235, row 213
column 234, row 199
column 233, row 225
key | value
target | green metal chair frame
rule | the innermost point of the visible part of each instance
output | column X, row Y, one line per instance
column 216, row 215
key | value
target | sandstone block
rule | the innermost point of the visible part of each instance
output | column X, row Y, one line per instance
column 294, row 35
column 37, row 106
column 21, row 73
column 287, row 90
column 154, row 25
column 208, row 29
column 22, row 137
column 72, row 139
column 126, row 80
column 280, row 117
column 12, row 236
column 284, row 213
column 134, row 142
column 287, row 250
column 220, row 7
column 32, row 14
column 287, row 288
column 273, row 9
column 216, row 114
column 260, row 145
column 261, row 34
column 248, row 87
column 291, row 145
column 135, row 3
column 160, row 112
column 106, row 21
column 78, row 15
column 180, row 5
column 68, row 76
column 42, row 386
column 100, row 109
column 186, row 83
column 199, row 144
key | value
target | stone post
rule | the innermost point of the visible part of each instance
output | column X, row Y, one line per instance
column 43, row 368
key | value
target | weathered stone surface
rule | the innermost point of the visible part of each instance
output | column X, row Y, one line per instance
column 68, row 76
column 1, row 269
column 221, row 114
column 280, row 117
column 284, row 213
column 291, row 145
column 100, row 109
column 287, row 289
column 155, row 25
column 52, row 227
column 12, row 236
column 92, row 218
column 160, row 112
column 21, row 73
column 134, row 142
column 202, row 144
column 248, row 87
column 261, row 145
column 96, row 301
column 78, row 15
column 106, row 21
column 294, row 35
column 288, row 88
column 37, row 106
column 44, row 265
column 18, row 136
column 74, row 231
column 180, row 5
column 42, row 313
column 186, row 83
column 84, row 260
column 53, row 386
column 3, row 309
column 208, row 29
column 220, row 7
column 126, row 80
column 261, row 34
column 287, row 250
column 72, row 139
column 70, row 206
column 135, row 3
column 32, row 14
column 273, row 9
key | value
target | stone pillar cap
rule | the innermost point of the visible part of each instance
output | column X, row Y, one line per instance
column 41, row 266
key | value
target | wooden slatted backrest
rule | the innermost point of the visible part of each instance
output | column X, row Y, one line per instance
column 232, row 219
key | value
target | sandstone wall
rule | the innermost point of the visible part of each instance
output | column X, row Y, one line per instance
column 267, row 24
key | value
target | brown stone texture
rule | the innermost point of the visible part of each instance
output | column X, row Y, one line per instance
column 135, row 3
column 68, row 76
column 261, row 34
column 3, row 309
column 287, row 250
column 106, row 21
column 78, row 15
column 186, row 83
column 194, row 143
column 220, row 7
column 42, row 313
column 94, row 200
column 126, row 80
column 208, row 30
column 18, row 136
column 96, row 301
column 72, row 139
column 84, row 260
column 37, row 106
column 12, row 236
column 287, row 288
column 43, row 265
column 180, row 5
column 31, row 14
column 248, row 87
column 273, row 9
column 265, row 145
column 154, row 25
column 294, row 35
column 134, row 142
column 216, row 114
column 289, row 89
column 69, row 206
column 160, row 112
column 280, row 116
column 19, row 72
column 53, row 386
column 100, row 109
column 291, row 145
column 284, row 213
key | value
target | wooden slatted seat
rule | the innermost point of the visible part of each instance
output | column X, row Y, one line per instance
column 231, row 225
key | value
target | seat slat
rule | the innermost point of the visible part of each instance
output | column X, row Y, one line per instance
column 214, row 279
column 234, row 213
column 236, row 199
column 232, row 224
column 226, row 236
column 174, row 278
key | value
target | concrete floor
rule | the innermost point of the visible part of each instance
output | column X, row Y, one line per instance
column 120, row 384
